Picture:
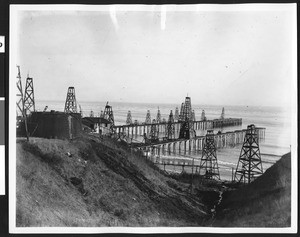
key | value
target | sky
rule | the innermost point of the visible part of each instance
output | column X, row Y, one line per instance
column 160, row 55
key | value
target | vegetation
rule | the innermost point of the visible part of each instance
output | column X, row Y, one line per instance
column 98, row 182
column 266, row 202
column 88, row 182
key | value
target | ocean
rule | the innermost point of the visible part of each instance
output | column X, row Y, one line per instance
column 277, row 122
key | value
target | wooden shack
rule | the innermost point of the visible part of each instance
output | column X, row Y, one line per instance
column 53, row 124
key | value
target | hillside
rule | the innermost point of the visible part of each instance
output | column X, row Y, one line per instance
column 266, row 202
column 93, row 182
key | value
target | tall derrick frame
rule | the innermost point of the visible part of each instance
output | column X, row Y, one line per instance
column 193, row 116
column 176, row 116
column 158, row 116
column 29, row 102
column 181, row 117
column 148, row 117
column 249, row 165
column 209, row 161
column 170, row 131
column 203, row 117
column 185, row 117
column 184, row 131
column 154, row 131
column 71, row 104
column 20, row 98
column 129, row 118
column 109, row 115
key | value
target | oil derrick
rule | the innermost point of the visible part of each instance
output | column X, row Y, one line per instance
column 148, row 117
column 20, row 101
column 186, row 128
column 71, row 105
column 129, row 119
column 176, row 114
column 158, row 116
column 222, row 114
column 203, row 118
column 186, row 109
column 109, row 115
column 209, row 162
column 153, row 131
column 170, row 132
column 249, row 165
column 29, row 103
column 193, row 117
column 181, row 117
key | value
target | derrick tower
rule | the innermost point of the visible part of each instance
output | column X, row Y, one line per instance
column 209, row 162
column 148, row 117
column 109, row 115
column 129, row 118
column 249, row 165
column 186, row 128
column 222, row 114
column 153, row 131
column 29, row 103
column 187, row 109
column 203, row 118
column 193, row 117
column 181, row 117
column 71, row 105
column 158, row 116
column 20, row 101
column 176, row 114
column 170, row 132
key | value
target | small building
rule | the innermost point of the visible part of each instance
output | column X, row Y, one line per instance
column 53, row 124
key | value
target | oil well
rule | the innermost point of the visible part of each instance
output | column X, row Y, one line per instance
column 176, row 135
column 47, row 124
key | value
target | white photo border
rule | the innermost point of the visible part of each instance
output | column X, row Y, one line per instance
column 15, row 9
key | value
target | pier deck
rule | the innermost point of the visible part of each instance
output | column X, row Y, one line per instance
column 141, row 129
column 192, row 145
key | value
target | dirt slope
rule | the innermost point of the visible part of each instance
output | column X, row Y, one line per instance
column 91, row 182
column 266, row 202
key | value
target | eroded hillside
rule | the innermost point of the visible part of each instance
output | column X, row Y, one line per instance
column 91, row 182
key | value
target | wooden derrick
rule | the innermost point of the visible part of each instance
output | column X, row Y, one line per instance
column 209, row 162
column 249, row 165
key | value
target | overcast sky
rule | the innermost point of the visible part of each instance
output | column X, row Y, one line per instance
column 216, row 57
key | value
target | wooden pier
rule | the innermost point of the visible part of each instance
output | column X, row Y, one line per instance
column 141, row 129
column 194, row 145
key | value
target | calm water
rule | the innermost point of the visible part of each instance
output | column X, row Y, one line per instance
column 277, row 122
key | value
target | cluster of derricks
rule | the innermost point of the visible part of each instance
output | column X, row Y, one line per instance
column 159, row 134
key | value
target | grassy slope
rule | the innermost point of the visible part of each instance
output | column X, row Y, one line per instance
column 264, row 203
column 117, row 189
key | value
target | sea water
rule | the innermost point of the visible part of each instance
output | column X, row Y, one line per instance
column 276, row 120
